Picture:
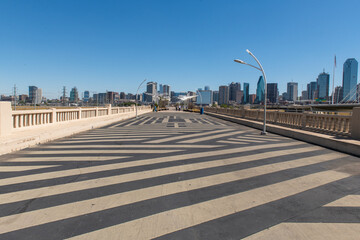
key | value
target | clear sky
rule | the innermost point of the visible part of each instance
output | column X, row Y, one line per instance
column 114, row 45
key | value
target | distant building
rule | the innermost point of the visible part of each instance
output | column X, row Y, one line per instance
column 166, row 90
column 292, row 91
column 74, row 95
column 338, row 94
column 239, row 96
column 223, row 95
column 233, row 88
column 32, row 93
column 122, row 95
column 272, row 92
column 252, row 98
column 216, row 96
column 86, row 96
column 151, row 89
column 323, row 85
column 304, row 95
column 311, row 89
column 260, row 90
column 102, row 98
column 246, row 93
column 207, row 88
column 350, row 73
column 206, row 97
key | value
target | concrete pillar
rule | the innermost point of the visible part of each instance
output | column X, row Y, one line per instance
column 79, row 112
column 355, row 123
column 53, row 115
column 5, row 118
column 108, row 106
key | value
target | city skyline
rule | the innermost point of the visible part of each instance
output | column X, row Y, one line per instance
column 99, row 46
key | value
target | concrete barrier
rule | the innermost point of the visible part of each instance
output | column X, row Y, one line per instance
column 355, row 123
column 29, row 128
column 349, row 146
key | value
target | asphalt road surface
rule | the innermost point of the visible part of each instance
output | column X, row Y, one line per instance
column 175, row 175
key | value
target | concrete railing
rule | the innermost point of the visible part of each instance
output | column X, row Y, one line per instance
column 10, row 119
column 332, row 124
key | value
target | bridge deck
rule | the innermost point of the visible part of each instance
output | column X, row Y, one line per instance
column 173, row 175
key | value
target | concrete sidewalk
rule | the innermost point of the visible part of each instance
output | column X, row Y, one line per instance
column 338, row 143
column 26, row 137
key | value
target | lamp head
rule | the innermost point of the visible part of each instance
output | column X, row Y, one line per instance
column 239, row 61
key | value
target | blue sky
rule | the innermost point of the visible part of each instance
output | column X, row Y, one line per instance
column 114, row 45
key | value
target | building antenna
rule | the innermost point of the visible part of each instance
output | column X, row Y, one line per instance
column 333, row 85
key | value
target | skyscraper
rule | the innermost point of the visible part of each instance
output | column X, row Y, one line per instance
column 233, row 88
column 323, row 85
column 74, row 95
column 350, row 79
column 86, row 96
column 32, row 93
column 311, row 89
column 223, row 95
column 166, row 90
column 151, row 89
column 246, row 93
column 292, row 91
column 206, row 97
column 260, row 90
column 216, row 96
column 272, row 92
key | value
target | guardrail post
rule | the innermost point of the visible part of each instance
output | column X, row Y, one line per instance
column 5, row 118
column 303, row 120
column 96, row 112
column 79, row 112
column 355, row 123
column 108, row 106
column 53, row 115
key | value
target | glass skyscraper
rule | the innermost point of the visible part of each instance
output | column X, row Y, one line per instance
column 311, row 89
column 323, row 85
column 246, row 93
column 350, row 79
column 260, row 90
column 292, row 91
column 272, row 92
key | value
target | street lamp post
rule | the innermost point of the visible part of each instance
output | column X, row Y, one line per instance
column 260, row 68
column 136, row 100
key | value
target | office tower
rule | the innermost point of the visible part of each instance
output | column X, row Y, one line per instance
column 166, row 90
column 86, row 96
column 74, row 95
column 161, row 88
column 239, row 96
column 252, row 98
column 102, row 98
column 292, row 91
column 216, row 96
column 207, row 88
column 206, row 97
column 260, row 90
column 304, row 95
column 38, row 98
column 350, row 80
column 223, row 95
column 311, row 89
column 323, row 85
column 246, row 93
column 272, row 92
column 151, row 89
column 32, row 93
column 233, row 87
column 338, row 94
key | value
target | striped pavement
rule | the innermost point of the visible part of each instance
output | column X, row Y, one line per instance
column 173, row 175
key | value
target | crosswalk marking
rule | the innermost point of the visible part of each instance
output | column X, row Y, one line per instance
column 321, row 231
column 196, row 140
column 347, row 201
column 100, row 182
column 184, row 217
column 38, row 217
column 187, row 136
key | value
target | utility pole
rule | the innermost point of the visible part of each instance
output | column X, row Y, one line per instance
column 64, row 95
column 14, row 96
